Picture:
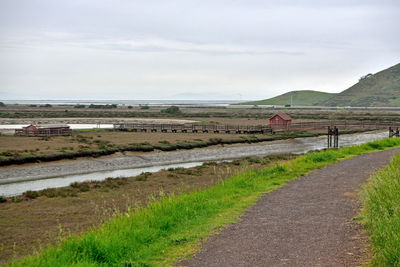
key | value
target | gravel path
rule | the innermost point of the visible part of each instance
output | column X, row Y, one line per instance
column 306, row 223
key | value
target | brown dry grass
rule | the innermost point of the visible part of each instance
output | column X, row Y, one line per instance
column 72, row 143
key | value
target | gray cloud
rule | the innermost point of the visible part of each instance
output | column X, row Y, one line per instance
column 157, row 49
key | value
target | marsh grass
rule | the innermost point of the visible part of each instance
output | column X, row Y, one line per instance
column 170, row 228
column 381, row 214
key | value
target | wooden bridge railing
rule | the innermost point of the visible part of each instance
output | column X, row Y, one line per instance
column 220, row 128
column 43, row 132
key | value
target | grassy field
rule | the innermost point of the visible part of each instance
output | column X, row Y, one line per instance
column 381, row 214
column 170, row 229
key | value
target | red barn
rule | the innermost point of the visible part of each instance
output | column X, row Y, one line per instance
column 280, row 120
column 44, row 130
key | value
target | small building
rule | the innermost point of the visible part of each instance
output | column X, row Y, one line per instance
column 44, row 130
column 280, row 120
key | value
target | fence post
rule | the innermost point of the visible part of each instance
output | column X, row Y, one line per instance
column 329, row 137
column 336, row 137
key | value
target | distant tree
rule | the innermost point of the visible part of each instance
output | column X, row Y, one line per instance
column 2, row 104
column 32, row 106
column 369, row 75
column 103, row 106
column 46, row 106
column 130, row 107
column 172, row 110
column 144, row 107
column 79, row 106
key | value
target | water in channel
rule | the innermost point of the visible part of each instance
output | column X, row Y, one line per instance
column 18, row 179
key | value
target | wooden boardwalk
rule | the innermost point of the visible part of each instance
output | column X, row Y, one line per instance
column 253, row 129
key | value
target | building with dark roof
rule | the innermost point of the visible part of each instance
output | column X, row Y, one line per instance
column 44, row 130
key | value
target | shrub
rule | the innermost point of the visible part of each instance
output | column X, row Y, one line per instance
column 253, row 160
column 143, row 176
column 172, row 110
column 83, row 187
column 3, row 199
column 49, row 192
column 31, row 194
column 16, row 199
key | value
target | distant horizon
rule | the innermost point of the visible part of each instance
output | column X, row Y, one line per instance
column 154, row 99
column 121, row 102
column 236, row 50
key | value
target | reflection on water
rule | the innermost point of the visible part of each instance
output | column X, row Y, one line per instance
column 15, row 180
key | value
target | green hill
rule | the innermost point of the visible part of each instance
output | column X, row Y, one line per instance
column 297, row 98
column 380, row 89
column 373, row 90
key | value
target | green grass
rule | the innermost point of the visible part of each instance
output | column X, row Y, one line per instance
column 381, row 214
column 297, row 98
column 170, row 229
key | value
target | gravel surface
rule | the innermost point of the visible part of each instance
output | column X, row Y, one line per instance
column 309, row 222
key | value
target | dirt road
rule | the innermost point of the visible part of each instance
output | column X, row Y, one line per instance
column 309, row 222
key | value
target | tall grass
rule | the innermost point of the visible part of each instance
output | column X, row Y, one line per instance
column 170, row 229
column 381, row 214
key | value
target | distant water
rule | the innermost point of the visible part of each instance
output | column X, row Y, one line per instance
column 127, row 102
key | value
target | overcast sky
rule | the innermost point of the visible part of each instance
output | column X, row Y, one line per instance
column 206, row 49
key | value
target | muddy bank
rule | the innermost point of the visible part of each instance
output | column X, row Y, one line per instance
column 119, row 161
column 105, row 148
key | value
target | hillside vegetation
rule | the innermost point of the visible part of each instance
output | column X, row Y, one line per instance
column 373, row 90
column 380, row 89
column 295, row 98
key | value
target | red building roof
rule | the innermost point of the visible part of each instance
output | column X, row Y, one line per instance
column 45, row 126
column 283, row 116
